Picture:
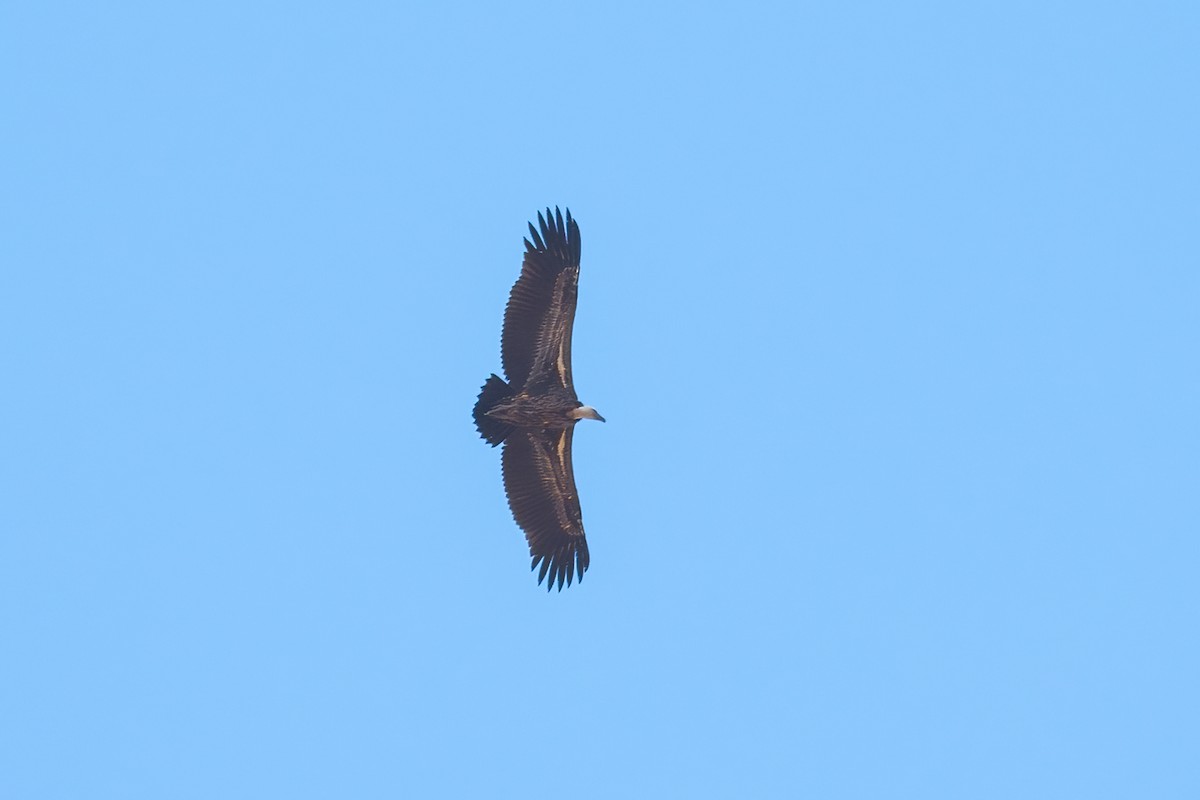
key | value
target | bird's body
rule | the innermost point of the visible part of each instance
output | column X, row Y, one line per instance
column 534, row 413
column 551, row 411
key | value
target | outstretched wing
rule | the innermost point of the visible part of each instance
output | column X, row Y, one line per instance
column 540, row 484
column 541, row 306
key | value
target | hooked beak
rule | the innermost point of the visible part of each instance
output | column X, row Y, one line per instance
column 586, row 412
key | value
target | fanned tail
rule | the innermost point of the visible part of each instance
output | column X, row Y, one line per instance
column 494, row 391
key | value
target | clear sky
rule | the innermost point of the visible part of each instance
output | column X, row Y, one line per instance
column 892, row 309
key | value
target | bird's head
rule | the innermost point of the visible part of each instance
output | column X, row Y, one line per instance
column 586, row 412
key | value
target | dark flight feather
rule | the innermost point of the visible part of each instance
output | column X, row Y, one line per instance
column 534, row 300
column 540, row 483
column 494, row 391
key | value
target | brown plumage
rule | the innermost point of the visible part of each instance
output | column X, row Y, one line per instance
column 534, row 412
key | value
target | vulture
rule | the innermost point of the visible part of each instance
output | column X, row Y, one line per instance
column 533, row 413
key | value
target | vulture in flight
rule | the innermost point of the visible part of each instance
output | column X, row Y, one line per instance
column 534, row 412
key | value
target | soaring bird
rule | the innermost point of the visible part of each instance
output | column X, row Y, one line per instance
column 534, row 412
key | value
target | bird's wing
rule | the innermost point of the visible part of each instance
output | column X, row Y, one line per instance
column 540, row 484
column 541, row 306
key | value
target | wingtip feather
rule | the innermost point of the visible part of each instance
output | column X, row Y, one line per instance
column 536, row 237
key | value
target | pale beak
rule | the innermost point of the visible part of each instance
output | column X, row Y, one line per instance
column 586, row 412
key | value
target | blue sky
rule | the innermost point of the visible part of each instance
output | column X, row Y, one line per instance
column 891, row 309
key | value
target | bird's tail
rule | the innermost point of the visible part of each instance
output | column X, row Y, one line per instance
column 494, row 391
